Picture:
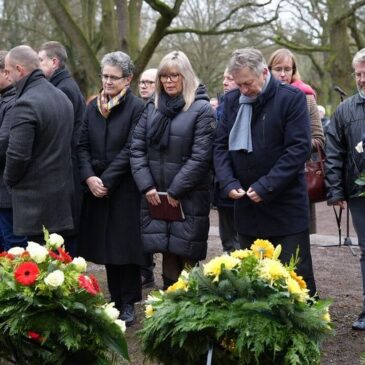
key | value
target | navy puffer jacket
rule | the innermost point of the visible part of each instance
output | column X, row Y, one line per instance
column 183, row 170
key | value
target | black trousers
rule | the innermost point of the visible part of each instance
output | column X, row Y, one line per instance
column 289, row 246
column 226, row 229
column 124, row 284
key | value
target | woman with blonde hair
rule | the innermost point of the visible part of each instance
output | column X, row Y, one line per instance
column 283, row 66
column 171, row 152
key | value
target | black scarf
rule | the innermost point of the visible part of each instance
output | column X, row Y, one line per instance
column 168, row 108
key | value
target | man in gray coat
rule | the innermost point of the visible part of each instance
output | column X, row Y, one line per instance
column 38, row 165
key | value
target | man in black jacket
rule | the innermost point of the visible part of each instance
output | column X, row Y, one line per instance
column 38, row 166
column 345, row 162
column 52, row 58
column 7, row 93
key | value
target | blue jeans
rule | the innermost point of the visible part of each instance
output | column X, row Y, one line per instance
column 357, row 209
column 6, row 231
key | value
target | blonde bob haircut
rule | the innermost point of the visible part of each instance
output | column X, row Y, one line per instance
column 279, row 56
column 178, row 62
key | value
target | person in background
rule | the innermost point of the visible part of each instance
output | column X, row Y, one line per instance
column 171, row 152
column 38, row 167
column 225, row 206
column 8, row 96
column 324, row 119
column 146, row 83
column 214, row 103
column 146, row 87
column 52, row 58
column 261, row 145
column 284, row 67
column 345, row 162
column 110, row 217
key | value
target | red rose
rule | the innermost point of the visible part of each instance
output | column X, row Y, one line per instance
column 26, row 273
column 34, row 336
column 89, row 283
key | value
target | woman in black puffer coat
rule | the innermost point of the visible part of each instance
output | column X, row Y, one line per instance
column 171, row 152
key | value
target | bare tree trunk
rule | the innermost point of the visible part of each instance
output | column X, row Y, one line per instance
column 123, row 24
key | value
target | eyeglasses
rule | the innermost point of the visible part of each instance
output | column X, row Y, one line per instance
column 172, row 77
column 145, row 83
column 111, row 77
column 358, row 75
column 286, row 70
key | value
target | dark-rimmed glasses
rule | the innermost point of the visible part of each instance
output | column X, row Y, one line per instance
column 172, row 77
column 111, row 77
column 145, row 83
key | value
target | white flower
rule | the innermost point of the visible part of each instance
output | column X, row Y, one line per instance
column 120, row 324
column 80, row 264
column 16, row 251
column 111, row 311
column 37, row 252
column 55, row 240
column 359, row 147
column 55, row 279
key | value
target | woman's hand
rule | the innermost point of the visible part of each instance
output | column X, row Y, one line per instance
column 173, row 202
column 152, row 197
column 96, row 187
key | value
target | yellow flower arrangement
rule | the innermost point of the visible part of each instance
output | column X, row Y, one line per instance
column 149, row 311
column 272, row 270
column 214, row 266
column 241, row 254
column 263, row 248
column 299, row 279
column 181, row 284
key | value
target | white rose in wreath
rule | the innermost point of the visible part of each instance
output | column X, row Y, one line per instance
column 55, row 279
column 111, row 312
column 120, row 324
column 55, row 240
column 359, row 147
column 37, row 252
column 16, row 251
column 80, row 264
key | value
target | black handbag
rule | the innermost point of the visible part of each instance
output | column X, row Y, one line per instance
column 314, row 173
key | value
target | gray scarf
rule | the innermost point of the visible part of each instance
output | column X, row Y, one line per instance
column 240, row 137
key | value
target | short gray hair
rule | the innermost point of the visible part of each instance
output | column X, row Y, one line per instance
column 55, row 49
column 119, row 59
column 247, row 57
column 359, row 57
column 25, row 56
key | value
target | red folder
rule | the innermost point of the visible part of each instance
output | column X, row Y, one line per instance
column 165, row 211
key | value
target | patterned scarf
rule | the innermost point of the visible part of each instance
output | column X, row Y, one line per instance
column 106, row 104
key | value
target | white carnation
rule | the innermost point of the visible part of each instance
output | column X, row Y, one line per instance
column 16, row 251
column 111, row 311
column 359, row 147
column 120, row 324
column 80, row 264
column 37, row 252
column 55, row 279
column 55, row 240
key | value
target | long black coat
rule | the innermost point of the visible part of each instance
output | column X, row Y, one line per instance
column 63, row 80
column 110, row 227
column 38, row 160
column 183, row 170
column 6, row 103
column 275, row 169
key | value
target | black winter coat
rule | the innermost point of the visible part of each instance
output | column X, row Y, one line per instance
column 38, row 160
column 343, row 163
column 63, row 80
column 110, row 227
column 275, row 169
column 7, row 102
column 183, row 170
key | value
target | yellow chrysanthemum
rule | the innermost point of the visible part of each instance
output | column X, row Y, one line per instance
column 263, row 248
column 273, row 270
column 214, row 267
column 241, row 254
column 149, row 311
column 299, row 279
column 327, row 317
column 294, row 288
column 181, row 284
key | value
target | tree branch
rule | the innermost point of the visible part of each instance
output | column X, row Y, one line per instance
column 350, row 12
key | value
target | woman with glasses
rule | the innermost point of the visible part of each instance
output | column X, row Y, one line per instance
column 110, row 221
column 283, row 66
column 171, row 152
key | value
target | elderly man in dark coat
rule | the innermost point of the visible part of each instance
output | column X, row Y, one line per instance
column 262, row 143
column 38, row 165
column 52, row 58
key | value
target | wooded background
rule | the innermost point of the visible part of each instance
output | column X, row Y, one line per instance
column 324, row 34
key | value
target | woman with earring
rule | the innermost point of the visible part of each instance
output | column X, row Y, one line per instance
column 171, row 152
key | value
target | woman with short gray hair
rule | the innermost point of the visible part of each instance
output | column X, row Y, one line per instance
column 110, row 220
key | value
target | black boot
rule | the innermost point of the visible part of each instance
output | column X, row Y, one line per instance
column 167, row 282
column 128, row 315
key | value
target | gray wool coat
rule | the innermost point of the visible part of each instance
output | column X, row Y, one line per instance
column 38, row 166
